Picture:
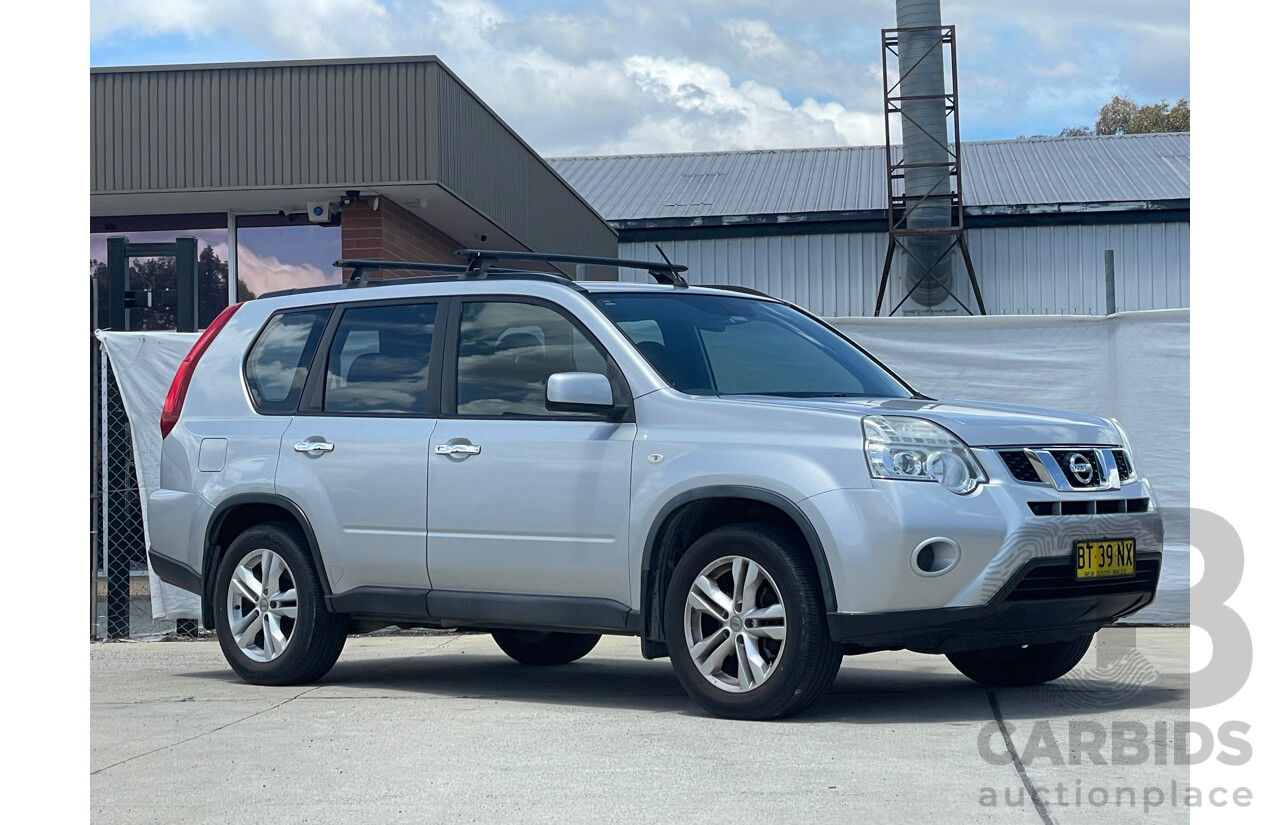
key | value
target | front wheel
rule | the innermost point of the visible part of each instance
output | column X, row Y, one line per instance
column 746, row 625
column 544, row 647
column 269, row 609
column 1021, row 665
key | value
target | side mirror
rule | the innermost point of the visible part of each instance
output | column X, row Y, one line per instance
column 579, row 392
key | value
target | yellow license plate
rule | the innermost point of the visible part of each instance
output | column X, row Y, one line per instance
column 1103, row 558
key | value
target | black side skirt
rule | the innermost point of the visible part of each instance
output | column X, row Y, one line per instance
column 453, row 608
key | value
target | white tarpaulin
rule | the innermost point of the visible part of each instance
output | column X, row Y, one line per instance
column 1134, row 367
column 144, row 364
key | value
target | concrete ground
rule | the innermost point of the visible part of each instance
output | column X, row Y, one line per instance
column 443, row 728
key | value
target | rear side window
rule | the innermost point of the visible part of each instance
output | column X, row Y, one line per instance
column 380, row 360
column 277, row 366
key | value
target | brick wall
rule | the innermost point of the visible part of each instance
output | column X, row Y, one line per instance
column 393, row 233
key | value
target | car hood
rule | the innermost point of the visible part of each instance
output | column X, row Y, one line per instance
column 976, row 423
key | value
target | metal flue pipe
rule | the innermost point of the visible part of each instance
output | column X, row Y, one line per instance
column 924, row 141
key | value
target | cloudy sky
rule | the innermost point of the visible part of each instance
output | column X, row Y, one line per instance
column 608, row 77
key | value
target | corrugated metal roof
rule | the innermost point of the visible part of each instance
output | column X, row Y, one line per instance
column 1097, row 169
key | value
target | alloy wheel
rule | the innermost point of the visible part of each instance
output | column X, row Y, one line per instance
column 735, row 624
column 262, row 605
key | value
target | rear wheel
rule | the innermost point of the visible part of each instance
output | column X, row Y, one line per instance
column 746, row 625
column 1021, row 665
column 544, row 647
column 269, row 609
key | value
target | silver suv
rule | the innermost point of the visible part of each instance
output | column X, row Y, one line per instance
column 714, row 471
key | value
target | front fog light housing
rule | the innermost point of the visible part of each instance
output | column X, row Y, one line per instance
column 913, row 449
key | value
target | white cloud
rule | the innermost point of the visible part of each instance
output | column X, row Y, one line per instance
column 146, row 17
column 665, row 75
column 291, row 28
column 698, row 107
column 757, row 39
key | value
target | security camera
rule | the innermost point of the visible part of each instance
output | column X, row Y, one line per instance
column 320, row 212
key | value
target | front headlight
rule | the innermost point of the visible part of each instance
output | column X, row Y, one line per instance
column 918, row 450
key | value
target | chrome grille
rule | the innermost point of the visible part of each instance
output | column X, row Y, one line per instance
column 1096, row 474
column 1068, row 469
column 1123, row 465
column 1020, row 466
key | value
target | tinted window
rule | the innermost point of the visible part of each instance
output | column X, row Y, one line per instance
column 276, row 369
column 728, row 345
column 506, row 352
column 379, row 360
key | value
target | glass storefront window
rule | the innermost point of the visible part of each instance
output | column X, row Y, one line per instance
column 271, row 258
column 159, row 274
column 271, row 254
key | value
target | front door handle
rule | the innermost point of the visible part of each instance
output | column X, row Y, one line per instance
column 313, row 447
column 457, row 449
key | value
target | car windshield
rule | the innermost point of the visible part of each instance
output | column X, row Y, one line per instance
column 730, row 345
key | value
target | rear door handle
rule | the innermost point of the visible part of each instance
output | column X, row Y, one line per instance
column 313, row 447
column 457, row 449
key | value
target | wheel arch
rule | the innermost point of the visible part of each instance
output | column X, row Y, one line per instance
column 693, row 513
column 235, row 515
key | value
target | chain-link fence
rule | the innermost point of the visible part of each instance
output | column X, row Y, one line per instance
column 122, row 591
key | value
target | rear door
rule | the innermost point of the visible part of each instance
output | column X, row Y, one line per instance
column 526, row 500
column 355, row 456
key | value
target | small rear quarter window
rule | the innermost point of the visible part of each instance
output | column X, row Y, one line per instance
column 277, row 366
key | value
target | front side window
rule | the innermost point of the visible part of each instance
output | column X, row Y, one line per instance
column 277, row 366
column 506, row 352
column 379, row 360
column 730, row 345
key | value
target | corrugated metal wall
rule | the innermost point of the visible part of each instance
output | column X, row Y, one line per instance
column 287, row 125
column 1036, row 270
column 342, row 124
column 484, row 163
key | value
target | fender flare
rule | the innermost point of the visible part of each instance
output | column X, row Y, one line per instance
column 648, row 604
column 220, row 513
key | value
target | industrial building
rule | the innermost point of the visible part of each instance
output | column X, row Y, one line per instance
column 810, row 225
column 283, row 167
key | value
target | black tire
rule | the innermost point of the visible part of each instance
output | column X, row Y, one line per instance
column 543, row 647
column 313, row 637
column 1019, row 665
column 798, row 668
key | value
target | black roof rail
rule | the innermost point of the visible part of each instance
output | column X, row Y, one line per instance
column 745, row 290
column 480, row 262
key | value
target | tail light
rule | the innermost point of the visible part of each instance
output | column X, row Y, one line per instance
column 182, row 379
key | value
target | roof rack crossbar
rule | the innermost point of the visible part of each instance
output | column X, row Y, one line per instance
column 363, row 269
column 662, row 272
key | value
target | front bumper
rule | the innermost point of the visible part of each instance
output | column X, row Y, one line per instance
column 870, row 536
column 1042, row 602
